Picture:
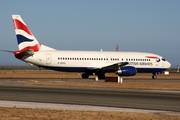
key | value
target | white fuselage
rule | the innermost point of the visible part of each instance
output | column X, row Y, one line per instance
column 88, row 60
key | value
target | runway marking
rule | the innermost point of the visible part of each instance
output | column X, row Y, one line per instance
column 118, row 93
column 89, row 101
column 33, row 80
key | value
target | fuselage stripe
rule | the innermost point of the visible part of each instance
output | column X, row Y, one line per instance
column 152, row 57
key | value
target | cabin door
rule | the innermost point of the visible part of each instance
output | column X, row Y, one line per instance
column 48, row 59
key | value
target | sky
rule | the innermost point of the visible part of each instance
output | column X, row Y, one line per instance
column 135, row 25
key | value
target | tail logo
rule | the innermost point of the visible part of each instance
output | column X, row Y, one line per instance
column 25, row 38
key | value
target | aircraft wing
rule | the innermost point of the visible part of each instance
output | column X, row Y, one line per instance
column 114, row 67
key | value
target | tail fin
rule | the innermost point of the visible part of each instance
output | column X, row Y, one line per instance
column 25, row 38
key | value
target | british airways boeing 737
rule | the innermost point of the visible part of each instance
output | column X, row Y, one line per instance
column 86, row 62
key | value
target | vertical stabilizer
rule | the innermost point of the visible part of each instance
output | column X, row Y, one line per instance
column 25, row 38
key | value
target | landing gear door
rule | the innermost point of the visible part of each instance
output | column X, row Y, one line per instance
column 48, row 59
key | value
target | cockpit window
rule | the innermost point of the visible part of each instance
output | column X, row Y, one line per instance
column 163, row 59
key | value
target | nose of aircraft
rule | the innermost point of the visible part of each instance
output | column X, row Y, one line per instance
column 168, row 64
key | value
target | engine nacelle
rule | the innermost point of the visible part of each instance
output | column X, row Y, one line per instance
column 126, row 71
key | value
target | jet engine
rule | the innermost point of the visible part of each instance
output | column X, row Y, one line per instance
column 126, row 71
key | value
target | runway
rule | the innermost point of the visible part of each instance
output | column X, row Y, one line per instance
column 129, row 99
column 120, row 98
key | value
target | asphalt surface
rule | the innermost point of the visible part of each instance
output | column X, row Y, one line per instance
column 160, row 100
column 12, row 81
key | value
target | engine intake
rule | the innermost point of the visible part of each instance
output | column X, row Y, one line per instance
column 126, row 71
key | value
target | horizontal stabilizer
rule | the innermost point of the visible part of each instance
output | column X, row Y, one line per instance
column 20, row 54
column 7, row 51
column 25, row 52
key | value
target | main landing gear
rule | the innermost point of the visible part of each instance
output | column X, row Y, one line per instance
column 85, row 75
column 101, row 76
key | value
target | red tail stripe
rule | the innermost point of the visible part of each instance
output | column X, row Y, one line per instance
column 35, row 48
column 19, row 25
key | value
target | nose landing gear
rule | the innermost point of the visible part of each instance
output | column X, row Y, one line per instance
column 154, row 76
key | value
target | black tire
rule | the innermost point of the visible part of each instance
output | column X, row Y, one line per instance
column 84, row 75
column 154, row 77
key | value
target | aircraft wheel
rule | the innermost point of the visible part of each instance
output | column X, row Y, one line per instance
column 154, row 77
column 84, row 75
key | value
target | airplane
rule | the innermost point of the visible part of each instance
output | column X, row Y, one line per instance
column 85, row 62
